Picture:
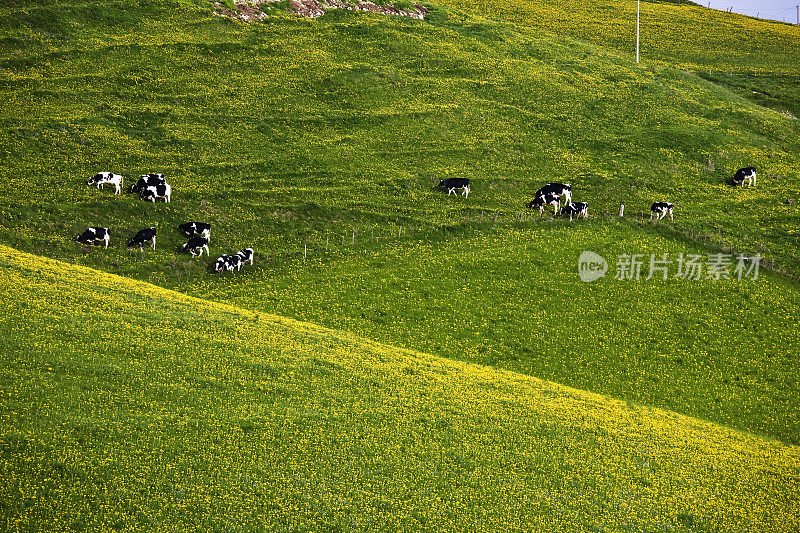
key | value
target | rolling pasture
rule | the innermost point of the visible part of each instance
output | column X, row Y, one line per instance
column 396, row 358
column 193, row 415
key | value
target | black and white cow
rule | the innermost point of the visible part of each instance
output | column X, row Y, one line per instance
column 245, row 256
column 148, row 180
column 660, row 209
column 102, row 178
column 576, row 209
column 151, row 193
column 234, row 261
column 221, row 263
column 549, row 198
column 141, row 237
column 196, row 228
column 559, row 189
column 94, row 235
column 747, row 174
column 451, row 184
column 195, row 246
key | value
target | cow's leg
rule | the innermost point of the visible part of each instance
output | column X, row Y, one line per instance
column 154, row 242
column 670, row 215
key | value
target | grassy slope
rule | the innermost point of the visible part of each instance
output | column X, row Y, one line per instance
column 511, row 298
column 293, row 131
column 274, row 131
column 684, row 35
column 211, row 417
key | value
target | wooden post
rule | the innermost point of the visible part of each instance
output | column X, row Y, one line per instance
column 354, row 236
column 399, row 232
column 621, row 210
column 305, row 250
column 327, row 238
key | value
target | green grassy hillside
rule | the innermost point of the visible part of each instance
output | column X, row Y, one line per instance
column 721, row 350
column 682, row 34
column 125, row 406
column 274, row 130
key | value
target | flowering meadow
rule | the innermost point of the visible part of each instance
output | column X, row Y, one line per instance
column 498, row 391
column 715, row 348
column 125, row 406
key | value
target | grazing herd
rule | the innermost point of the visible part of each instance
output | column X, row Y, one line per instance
column 150, row 188
column 551, row 194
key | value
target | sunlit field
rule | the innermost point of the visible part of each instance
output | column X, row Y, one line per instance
column 397, row 358
column 189, row 415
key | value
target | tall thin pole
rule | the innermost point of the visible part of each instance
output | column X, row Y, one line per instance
column 637, row 31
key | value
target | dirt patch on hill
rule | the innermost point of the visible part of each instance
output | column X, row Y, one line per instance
column 255, row 10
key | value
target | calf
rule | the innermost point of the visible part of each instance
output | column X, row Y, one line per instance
column 660, row 209
column 221, row 263
column 196, row 228
column 549, row 198
column 144, row 235
column 195, row 246
column 94, row 235
column 576, row 209
column 148, row 180
column 559, row 189
column 101, row 178
column 451, row 184
column 747, row 174
column 150, row 194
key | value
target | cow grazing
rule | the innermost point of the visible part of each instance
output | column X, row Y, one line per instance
column 102, row 178
column 235, row 261
column 451, row 184
column 559, row 189
column 196, row 228
column 576, row 209
column 150, row 194
column 747, row 174
column 246, row 255
column 148, row 180
column 94, row 235
column 660, row 209
column 549, row 198
column 221, row 263
column 195, row 246
column 141, row 237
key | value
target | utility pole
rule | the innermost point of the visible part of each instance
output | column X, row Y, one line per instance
column 798, row 14
column 637, row 31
